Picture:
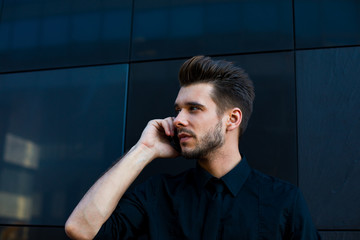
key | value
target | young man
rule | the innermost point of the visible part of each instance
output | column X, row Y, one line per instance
column 222, row 198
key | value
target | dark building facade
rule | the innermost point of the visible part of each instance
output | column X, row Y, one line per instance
column 79, row 80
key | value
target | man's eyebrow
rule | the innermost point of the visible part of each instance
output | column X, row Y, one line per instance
column 190, row 104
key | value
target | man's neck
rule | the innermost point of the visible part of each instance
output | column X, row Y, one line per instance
column 221, row 162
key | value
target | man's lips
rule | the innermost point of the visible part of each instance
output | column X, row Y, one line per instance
column 183, row 136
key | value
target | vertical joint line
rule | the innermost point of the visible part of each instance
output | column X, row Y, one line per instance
column 125, row 109
column 296, row 99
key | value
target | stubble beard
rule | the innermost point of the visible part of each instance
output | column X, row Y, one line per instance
column 212, row 140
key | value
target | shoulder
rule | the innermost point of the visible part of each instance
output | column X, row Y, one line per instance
column 278, row 197
column 273, row 187
column 282, row 200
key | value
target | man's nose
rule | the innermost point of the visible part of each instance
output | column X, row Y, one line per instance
column 180, row 120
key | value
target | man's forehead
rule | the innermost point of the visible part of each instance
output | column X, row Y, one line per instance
column 200, row 93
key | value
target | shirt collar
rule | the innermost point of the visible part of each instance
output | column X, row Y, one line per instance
column 233, row 180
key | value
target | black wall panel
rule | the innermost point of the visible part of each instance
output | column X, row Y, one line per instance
column 328, row 89
column 269, row 144
column 40, row 34
column 327, row 23
column 168, row 29
column 59, row 131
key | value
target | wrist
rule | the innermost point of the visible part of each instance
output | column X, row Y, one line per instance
column 143, row 153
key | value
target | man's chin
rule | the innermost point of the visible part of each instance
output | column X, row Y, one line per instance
column 185, row 152
column 189, row 153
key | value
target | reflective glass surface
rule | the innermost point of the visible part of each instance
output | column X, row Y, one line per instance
column 167, row 29
column 59, row 131
column 327, row 23
column 37, row 34
column 270, row 141
column 328, row 90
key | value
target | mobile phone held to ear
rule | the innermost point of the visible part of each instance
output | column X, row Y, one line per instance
column 174, row 142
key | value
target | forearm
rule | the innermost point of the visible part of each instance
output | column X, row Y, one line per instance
column 100, row 201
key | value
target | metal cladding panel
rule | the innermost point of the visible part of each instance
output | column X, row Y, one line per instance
column 168, row 29
column 39, row 34
column 327, row 23
column 328, row 97
column 59, row 131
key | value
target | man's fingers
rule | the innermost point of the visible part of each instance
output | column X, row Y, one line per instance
column 170, row 124
column 167, row 125
column 164, row 125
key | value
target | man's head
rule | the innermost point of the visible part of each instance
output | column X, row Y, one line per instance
column 200, row 129
column 232, row 87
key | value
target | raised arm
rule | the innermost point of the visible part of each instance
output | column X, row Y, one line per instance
column 100, row 201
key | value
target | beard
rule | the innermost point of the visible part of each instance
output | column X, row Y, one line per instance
column 212, row 140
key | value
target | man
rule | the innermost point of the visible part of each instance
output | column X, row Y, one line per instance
column 222, row 198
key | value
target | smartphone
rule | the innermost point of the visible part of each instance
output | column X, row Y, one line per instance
column 174, row 141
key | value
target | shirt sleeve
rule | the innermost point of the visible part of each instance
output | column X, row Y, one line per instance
column 302, row 224
column 129, row 219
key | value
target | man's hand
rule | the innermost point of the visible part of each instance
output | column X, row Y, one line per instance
column 156, row 138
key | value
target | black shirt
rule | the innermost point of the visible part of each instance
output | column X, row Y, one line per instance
column 254, row 206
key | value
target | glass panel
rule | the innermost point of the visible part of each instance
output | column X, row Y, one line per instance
column 167, row 29
column 327, row 23
column 40, row 34
column 270, row 141
column 59, row 131
column 328, row 128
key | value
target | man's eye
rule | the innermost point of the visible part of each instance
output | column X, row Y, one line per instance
column 194, row 108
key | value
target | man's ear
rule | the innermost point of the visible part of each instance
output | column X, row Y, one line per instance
column 234, row 119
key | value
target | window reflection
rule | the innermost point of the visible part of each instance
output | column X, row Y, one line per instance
column 15, row 206
column 21, row 152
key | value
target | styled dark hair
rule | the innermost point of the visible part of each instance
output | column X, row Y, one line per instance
column 232, row 87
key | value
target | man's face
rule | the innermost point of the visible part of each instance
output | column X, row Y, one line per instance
column 200, row 129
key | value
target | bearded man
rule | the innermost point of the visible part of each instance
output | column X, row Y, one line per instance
column 222, row 198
